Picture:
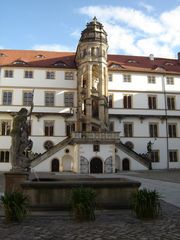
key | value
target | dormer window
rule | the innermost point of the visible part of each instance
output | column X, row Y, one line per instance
column 2, row 55
column 19, row 62
column 131, row 61
column 40, row 56
column 115, row 65
column 60, row 64
column 168, row 64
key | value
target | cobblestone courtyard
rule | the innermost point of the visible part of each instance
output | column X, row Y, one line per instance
column 116, row 224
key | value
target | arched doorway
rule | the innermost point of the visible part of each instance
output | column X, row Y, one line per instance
column 125, row 164
column 55, row 165
column 96, row 165
column 67, row 162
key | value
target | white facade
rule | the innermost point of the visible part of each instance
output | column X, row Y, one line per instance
column 144, row 106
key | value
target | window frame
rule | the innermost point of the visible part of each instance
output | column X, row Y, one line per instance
column 128, row 132
column 153, row 133
column 152, row 105
column 172, row 133
column 3, row 154
column 49, row 128
column 171, row 102
column 70, row 103
column 7, row 102
column 51, row 75
column 151, row 79
column 169, row 80
column 28, row 103
column 127, row 101
column 173, row 155
column 49, row 103
column 5, row 131
column 155, row 156
column 8, row 73
column 28, row 74
column 69, row 75
column 127, row 78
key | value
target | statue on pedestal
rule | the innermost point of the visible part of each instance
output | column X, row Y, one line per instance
column 20, row 141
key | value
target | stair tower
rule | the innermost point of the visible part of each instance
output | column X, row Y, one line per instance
column 92, row 75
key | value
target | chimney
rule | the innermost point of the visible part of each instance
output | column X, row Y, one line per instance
column 151, row 57
column 178, row 55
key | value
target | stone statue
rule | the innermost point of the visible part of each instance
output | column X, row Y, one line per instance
column 20, row 141
column 149, row 147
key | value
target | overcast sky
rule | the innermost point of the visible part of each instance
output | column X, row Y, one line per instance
column 134, row 27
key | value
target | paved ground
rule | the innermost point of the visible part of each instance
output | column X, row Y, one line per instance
column 119, row 224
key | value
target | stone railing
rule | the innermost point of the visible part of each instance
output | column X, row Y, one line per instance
column 96, row 135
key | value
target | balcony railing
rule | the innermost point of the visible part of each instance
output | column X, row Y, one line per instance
column 96, row 135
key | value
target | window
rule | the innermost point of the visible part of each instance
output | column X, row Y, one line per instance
column 172, row 130
column 7, row 98
column 4, row 156
column 69, row 75
column 110, row 77
column 153, row 130
column 28, row 74
column 50, row 75
column 27, row 98
column 173, row 155
column 49, row 98
column 110, row 100
column 48, row 128
column 96, row 148
column 155, row 156
column 8, row 73
column 152, row 102
column 68, row 99
column 5, row 127
column 126, row 78
column 171, row 102
column 151, row 79
column 127, row 101
column 128, row 130
column 170, row 81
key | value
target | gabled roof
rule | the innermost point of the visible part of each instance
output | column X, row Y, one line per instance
column 47, row 59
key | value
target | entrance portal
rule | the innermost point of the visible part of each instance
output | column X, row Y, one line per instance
column 55, row 165
column 125, row 164
column 96, row 165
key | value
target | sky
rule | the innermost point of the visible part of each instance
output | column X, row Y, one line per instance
column 134, row 27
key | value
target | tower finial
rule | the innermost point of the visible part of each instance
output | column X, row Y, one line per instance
column 94, row 19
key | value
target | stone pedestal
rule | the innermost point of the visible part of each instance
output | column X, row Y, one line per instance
column 13, row 180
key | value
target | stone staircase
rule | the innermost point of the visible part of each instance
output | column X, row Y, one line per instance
column 50, row 152
column 139, row 158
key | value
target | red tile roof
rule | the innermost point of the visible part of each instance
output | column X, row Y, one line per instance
column 32, row 58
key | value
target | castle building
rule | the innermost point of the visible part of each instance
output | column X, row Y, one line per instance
column 93, row 112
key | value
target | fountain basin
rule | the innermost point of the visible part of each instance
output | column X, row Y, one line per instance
column 55, row 194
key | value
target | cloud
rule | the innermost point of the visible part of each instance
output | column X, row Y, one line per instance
column 147, row 7
column 131, row 31
column 52, row 47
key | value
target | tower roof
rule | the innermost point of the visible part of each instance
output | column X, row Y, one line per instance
column 94, row 32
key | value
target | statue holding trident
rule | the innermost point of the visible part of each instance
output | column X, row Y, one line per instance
column 20, row 140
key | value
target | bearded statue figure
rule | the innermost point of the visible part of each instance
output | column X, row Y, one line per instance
column 20, row 141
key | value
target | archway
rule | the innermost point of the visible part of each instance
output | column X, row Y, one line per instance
column 96, row 165
column 67, row 162
column 55, row 165
column 125, row 164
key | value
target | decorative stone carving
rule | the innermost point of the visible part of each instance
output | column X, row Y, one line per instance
column 84, row 165
column 20, row 142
